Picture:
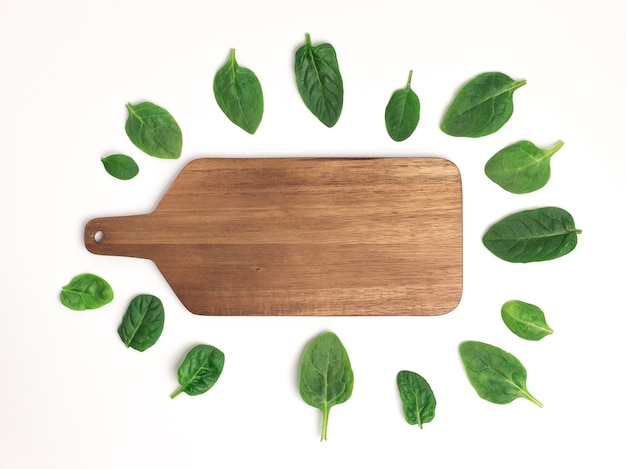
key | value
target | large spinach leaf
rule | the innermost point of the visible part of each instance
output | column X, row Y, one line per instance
column 402, row 112
column 325, row 376
column 239, row 95
column 417, row 397
column 142, row 324
column 525, row 320
column 482, row 106
column 522, row 167
column 86, row 291
column 533, row 235
column 319, row 81
column 496, row 375
column 153, row 130
column 200, row 370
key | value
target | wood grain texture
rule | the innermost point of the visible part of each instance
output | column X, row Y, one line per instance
column 302, row 236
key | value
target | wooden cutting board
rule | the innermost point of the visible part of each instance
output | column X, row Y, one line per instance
column 302, row 236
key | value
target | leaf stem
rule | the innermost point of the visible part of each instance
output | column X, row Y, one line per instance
column 408, row 83
column 232, row 54
column 308, row 40
column 555, row 148
column 325, row 412
column 176, row 393
column 533, row 399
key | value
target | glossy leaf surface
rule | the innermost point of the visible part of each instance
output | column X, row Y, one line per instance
column 325, row 375
column 482, row 106
column 200, row 370
column 86, row 291
column 402, row 113
column 153, row 130
column 522, row 167
column 525, row 320
column 417, row 398
column 319, row 81
column 120, row 166
column 143, row 322
column 496, row 375
column 533, row 235
column 239, row 95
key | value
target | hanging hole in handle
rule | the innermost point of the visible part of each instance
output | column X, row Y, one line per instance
column 98, row 237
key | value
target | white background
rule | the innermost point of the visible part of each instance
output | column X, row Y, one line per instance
column 72, row 396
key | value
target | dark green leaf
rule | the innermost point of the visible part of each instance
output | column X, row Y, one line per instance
column 496, row 375
column 402, row 113
column 522, row 167
column 482, row 106
column 319, row 81
column 200, row 370
column 143, row 322
column 239, row 95
column 417, row 397
column 533, row 235
column 86, row 291
column 153, row 130
column 525, row 320
column 325, row 375
column 120, row 166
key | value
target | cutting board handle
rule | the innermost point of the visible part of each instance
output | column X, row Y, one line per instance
column 119, row 236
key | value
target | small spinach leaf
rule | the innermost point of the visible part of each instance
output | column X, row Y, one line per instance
column 522, row 167
column 319, row 81
column 496, row 375
column 120, row 166
column 402, row 112
column 482, row 106
column 533, row 235
column 417, row 397
column 153, row 130
column 86, row 291
column 525, row 320
column 239, row 95
column 325, row 376
column 200, row 370
column 142, row 324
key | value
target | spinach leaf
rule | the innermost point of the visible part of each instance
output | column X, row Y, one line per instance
column 522, row 167
column 200, row 370
column 533, row 235
column 239, row 95
column 402, row 112
column 143, row 322
column 153, row 130
column 496, row 375
column 482, row 106
column 319, row 81
column 525, row 320
column 120, row 166
column 417, row 397
column 86, row 291
column 325, row 376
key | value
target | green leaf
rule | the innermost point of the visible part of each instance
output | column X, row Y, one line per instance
column 482, row 106
column 239, row 95
column 525, row 320
column 496, row 375
column 143, row 322
column 325, row 375
column 153, row 130
column 120, row 166
column 86, row 291
column 533, row 235
column 522, row 167
column 402, row 112
column 200, row 370
column 319, row 81
column 417, row 397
